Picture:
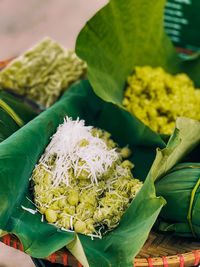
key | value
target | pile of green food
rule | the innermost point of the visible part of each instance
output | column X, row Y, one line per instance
column 82, row 181
column 157, row 98
column 43, row 73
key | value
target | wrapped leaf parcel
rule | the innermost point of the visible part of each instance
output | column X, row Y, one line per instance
column 180, row 188
column 179, row 182
column 40, row 239
column 123, row 35
column 43, row 72
column 81, row 182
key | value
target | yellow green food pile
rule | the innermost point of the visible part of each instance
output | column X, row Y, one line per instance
column 157, row 98
column 83, row 181
column 43, row 72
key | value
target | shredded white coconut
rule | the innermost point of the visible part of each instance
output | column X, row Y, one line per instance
column 68, row 151
column 71, row 222
column 67, row 230
column 97, row 236
column 29, row 210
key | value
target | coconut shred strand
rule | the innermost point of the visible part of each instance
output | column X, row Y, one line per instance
column 71, row 152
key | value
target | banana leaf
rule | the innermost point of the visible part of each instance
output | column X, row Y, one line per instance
column 125, row 34
column 13, row 114
column 181, row 186
column 179, row 182
column 23, row 150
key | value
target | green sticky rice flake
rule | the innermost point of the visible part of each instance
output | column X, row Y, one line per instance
column 43, row 72
column 83, row 206
column 157, row 98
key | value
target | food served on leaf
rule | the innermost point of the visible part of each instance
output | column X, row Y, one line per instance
column 43, row 72
column 83, row 180
column 157, row 98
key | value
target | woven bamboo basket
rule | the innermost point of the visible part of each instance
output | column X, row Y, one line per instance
column 160, row 249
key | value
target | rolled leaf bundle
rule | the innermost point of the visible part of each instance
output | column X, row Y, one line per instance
column 180, row 188
column 83, row 182
column 13, row 114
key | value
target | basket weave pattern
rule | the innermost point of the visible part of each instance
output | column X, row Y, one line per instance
column 160, row 250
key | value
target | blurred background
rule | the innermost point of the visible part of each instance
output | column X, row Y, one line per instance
column 24, row 23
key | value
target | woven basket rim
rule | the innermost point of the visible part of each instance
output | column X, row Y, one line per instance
column 63, row 256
